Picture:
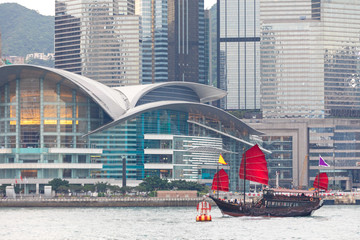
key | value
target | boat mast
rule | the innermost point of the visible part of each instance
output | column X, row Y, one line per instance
column 318, row 181
column 244, row 173
column 217, row 179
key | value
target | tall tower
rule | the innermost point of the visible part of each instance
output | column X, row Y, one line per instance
column 239, row 53
column 310, row 58
column 99, row 39
column 0, row 44
column 173, row 40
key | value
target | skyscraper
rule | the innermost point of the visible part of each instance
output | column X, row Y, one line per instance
column 154, row 26
column 310, row 58
column 239, row 53
column 173, row 40
column 99, row 39
column 0, row 45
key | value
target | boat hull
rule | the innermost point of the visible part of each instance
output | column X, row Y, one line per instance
column 264, row 210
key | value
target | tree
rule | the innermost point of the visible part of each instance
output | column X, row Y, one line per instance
column 101, row 186
column 125, row 190
column 185, row 185
column 154, row 183
column 89, row 187
column 63, row 189
column 57, row 182
column 76, row 188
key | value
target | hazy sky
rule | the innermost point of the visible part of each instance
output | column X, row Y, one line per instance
column 47, row 7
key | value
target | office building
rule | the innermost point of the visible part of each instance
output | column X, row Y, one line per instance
column 173, row 40
column 297, row 144
column 99, row 40
column 310, row 58
column 239, row 53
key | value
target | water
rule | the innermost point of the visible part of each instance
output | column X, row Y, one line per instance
column 330, row 222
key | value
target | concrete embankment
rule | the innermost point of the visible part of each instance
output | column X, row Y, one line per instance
column 134, row 202
column 100, row 202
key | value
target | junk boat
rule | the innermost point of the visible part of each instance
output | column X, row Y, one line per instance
column 274, row 202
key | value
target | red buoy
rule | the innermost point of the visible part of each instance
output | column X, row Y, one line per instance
column 203, row 209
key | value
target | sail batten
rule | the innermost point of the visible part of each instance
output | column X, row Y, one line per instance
column 221, row 181
column 256, row 166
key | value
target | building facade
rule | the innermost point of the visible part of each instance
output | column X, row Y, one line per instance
column 297, row 144
column 57, row 124
column 310, row 58
column 100, row 40
column 239, row 53
column 173, row 40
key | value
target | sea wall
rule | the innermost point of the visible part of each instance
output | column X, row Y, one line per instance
column 100, row 202
column 134, row 202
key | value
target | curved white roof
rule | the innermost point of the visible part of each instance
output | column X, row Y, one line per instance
column 205, row 93
column 120, row 103
column 109, row 99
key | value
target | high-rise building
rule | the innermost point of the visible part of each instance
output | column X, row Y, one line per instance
column 211, row 45
column 154, row 39
column 173, row 40
column 99, row 39
column 0, row 45
column 310, row 58
column 239, row 53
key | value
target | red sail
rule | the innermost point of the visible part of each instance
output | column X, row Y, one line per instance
column 321, row 181
column 256, row 166
column 221, row 181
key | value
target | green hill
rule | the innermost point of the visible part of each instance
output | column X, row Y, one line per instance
column 25, row 31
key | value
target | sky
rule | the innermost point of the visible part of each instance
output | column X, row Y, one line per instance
column 47, row 7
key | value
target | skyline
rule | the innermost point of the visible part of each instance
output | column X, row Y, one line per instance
column 47, row 7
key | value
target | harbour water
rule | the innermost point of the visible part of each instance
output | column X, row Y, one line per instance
column 329, row 222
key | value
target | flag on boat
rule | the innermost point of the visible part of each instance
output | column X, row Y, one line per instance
column 322, row 162
column 221, row 160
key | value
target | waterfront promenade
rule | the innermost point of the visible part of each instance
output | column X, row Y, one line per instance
column 29, row 201
column 99, row 202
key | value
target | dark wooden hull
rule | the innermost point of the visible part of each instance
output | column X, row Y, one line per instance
column 283, row 206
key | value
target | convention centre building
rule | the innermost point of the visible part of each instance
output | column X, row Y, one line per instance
column 57, row 124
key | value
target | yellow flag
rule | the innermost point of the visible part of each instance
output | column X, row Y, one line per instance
column 221, row 160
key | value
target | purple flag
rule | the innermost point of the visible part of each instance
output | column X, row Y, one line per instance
column 322, row 162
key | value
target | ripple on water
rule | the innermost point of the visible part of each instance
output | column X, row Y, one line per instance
column 330, row 222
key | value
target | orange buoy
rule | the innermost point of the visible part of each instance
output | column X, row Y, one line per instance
column 203, row 218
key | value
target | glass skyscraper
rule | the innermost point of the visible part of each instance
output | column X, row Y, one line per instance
column 173, row 40
column 239, row 53
column 310, row 58
column 99, row 39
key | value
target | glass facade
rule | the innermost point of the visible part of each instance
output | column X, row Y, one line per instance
column 239, row 53
column 40, row 113
column 280, row 161
column 309, row 58
column 176, row 156
column 338, row 145
column 100, row 40
column 171, row 49
column 154, row 22
column 118, row 144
